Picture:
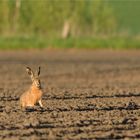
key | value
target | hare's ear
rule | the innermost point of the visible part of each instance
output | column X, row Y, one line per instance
column 38, row 73
column 30, row 72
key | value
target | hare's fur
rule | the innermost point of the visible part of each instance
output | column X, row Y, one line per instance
column 33, row 96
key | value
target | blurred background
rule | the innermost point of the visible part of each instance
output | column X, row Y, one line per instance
column 69, row 24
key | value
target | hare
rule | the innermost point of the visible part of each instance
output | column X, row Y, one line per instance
column 34, row 94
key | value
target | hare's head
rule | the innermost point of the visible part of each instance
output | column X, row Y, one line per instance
column 34, row 77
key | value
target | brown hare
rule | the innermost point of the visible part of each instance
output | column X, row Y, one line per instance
column 34, row 95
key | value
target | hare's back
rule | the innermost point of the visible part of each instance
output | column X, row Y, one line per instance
column 25, row 98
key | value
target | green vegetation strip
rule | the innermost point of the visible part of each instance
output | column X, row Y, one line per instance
column 86, row 43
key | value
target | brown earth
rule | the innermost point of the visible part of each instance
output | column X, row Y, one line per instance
column 87, row 95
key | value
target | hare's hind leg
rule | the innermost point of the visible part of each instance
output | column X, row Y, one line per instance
column 40, row 103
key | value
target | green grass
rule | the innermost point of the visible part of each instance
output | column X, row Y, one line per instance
column 127, row 13
column 87, row 43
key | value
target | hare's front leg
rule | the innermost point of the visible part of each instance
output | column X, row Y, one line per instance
column 40, row 103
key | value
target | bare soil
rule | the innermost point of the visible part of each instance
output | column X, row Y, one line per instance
column 87, row 95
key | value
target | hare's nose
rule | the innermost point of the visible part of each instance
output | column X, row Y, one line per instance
column 39, row 85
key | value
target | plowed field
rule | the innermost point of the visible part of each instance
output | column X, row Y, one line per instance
column 87, row 95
